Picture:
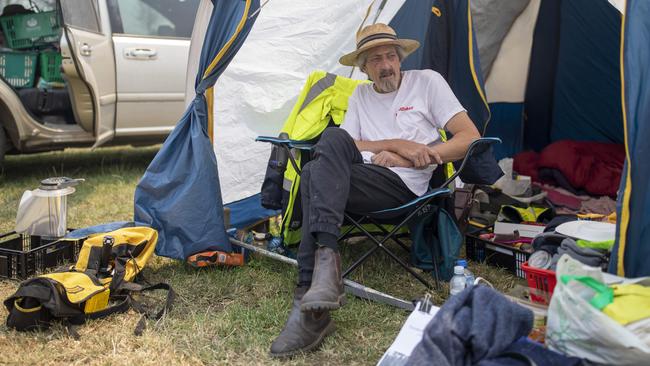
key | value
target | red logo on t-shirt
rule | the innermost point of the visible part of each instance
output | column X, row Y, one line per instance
column 404, row 109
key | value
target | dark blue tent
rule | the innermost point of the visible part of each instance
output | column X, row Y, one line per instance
column 573, row 90
column 179, row 194
column 631, row 253
column 573, row 82
column 443, row 27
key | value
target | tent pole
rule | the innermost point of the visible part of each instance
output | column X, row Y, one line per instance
column 351, row 287
column 258, row 9
column 381, row 7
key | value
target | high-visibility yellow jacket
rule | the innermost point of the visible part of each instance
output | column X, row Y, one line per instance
column 322, row 102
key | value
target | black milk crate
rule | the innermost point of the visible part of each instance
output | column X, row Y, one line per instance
column 496, row 254
column 23, row 255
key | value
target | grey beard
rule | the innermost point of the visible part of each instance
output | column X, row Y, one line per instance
column 387, row 86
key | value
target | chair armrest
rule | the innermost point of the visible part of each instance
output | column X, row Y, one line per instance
column 477, row 146
column 287, row 143
column 284, row 146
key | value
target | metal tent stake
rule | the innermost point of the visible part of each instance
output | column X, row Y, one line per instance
column 351, row 287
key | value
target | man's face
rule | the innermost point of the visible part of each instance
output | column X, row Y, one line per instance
column 383, row 68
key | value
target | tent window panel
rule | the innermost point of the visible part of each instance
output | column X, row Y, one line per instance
column 157, row 18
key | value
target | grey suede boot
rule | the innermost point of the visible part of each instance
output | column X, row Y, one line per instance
column 326, row 291
column 303, row 331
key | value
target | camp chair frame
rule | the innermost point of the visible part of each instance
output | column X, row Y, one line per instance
column 402, row 214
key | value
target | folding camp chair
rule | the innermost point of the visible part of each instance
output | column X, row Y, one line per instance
column 398, row 216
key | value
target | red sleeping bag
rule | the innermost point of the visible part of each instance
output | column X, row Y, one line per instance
column 593, row 167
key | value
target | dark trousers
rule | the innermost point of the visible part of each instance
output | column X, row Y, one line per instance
column 338, row 181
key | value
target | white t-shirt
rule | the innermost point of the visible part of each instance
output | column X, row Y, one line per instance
column 423, row 103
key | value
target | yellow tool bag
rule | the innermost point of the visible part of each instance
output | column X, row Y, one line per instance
column 102, row 282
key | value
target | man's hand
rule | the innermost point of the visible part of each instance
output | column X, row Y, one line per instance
column 419, row 154
column 462, row 129
column 435, row 155
column 389, row 159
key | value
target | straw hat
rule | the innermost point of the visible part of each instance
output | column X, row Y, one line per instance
column 377, row 35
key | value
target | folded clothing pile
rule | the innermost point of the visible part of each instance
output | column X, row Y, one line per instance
column 554, row 245
column 585, row 241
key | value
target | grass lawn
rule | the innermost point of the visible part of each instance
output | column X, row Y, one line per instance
column 221, row 316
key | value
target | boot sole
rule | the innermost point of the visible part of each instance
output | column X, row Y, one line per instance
column 329, row 329
column 323, row 305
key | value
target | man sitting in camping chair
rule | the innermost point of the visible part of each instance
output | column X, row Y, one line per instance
column 382, row 157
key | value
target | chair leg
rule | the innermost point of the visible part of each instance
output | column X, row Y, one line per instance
column 405, row 247
column 345, row 233
column 359, row 261
column 436, row 274
column 349, row 229
column 401, row 244
column 380, row 245
column 406, row 267
column 395, row 239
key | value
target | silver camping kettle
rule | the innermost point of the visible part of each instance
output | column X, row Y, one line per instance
column 43, row 211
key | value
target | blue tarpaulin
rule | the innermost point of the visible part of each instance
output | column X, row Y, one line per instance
column 179, row 194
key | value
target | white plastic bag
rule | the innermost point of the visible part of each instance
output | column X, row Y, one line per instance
column 576, row 328
column 509, row 186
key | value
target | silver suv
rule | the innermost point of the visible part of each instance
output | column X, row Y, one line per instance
column 122, row 73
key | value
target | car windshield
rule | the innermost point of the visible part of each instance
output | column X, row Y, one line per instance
column 34, row 5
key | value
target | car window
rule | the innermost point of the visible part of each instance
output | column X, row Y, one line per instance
column 158, row 18
column 81, row 14
column 34, row 5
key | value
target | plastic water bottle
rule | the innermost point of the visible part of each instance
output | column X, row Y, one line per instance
column 469, row 276
column 275, row 245
column 458, row 282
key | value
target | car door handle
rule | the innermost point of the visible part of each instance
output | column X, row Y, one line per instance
column 140, row 53
column 85, row 50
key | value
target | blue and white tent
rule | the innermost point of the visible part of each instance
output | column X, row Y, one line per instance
column 556, row 62
column 288, row 41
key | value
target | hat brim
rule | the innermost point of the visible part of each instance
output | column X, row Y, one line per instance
column 408, row 45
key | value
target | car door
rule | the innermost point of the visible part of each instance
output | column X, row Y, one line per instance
column 152, row 40
column 89, row 46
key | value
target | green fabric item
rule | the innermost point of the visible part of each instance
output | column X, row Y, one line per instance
column 516, row 214
column 604, row 294
column 605, row 245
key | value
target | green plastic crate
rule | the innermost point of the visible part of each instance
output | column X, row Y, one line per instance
column 18, row 68
column 32, row 29
column 50, row 62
